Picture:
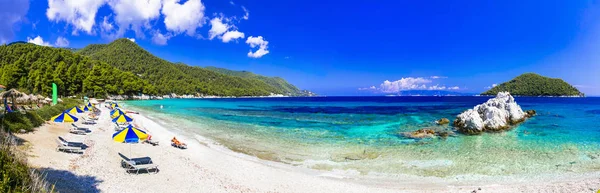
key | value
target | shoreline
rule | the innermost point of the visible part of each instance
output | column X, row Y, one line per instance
column 214, row 168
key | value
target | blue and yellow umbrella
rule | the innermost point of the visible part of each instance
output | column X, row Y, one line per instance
column 86, row 109
column 115, row 105
column 116, row 113
column 129, row 134
column 74, row 110
column 64, row 117
column 122, row 119
column 89, row 105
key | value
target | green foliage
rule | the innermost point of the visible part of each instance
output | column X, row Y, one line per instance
column 531, row 84
column 33, row 69
column 280, row 85
column 17, row 121
column 179, row 78
column 15, row 174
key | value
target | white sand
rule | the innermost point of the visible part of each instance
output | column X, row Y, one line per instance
column 207, row 167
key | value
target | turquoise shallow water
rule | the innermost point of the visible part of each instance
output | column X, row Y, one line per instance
column 363, row 133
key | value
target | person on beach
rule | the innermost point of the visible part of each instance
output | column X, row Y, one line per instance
column 178, row 144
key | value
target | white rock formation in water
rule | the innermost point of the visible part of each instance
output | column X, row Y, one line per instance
column 496, row 114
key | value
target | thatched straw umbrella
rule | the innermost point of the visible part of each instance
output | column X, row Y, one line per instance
column 12, row 93
column 23, row 99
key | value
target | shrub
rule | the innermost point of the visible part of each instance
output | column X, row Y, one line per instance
column 15, row 174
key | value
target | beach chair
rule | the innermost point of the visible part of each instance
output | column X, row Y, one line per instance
column 138, row 164
column 70, row 143
column 64, row 146
column 78, row 130
column 88, row 121
column 176, row 143
column 151, row 141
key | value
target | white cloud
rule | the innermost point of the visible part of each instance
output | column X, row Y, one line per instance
column 246, row 13
column 106, row 25
column 61, row 42
column 131, row 39
column 11, row 13
column 260, row 43
column 217, row 28
column 160, row 39
column 186, row 17
column 493, row 85
column 134, row 14
column 231, row 2
column 368, row 88
column 38, row 41
column 437, row 77
column 409, row 83
column 437, row 87
column 232, row 35
column 81, row 14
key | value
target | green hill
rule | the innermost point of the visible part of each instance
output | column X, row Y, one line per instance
column 277, row 82
column 531, row 84
column 32, row 68
column 177, row 78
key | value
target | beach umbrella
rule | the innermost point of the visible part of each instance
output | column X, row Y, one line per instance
column 116, row 113
column 122, row 119
column 89, row 104
column 23, row 99
column 64, row 117
column 74, row 110
column 86, row 109
column 115, row 105
column 129, row 134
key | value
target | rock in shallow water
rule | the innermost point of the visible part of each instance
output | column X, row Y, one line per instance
column 442, row 121
column 496, row 114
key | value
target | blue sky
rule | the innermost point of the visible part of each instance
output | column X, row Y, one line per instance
column 338, row 47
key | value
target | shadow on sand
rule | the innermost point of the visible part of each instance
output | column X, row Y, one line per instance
column 66, row 181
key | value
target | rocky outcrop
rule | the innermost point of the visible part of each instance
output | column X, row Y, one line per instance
column 420, row 134
column 497, row 114
column 428, row 133
column 442, row 121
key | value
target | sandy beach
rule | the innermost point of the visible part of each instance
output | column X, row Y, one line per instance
column 208, row 167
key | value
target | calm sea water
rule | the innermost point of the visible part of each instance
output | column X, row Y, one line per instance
column 364, row 133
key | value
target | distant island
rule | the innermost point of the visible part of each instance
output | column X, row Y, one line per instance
column 531, row 84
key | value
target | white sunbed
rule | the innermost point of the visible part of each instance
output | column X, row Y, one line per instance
column 88, row 121
column 62, row 146
column 78, row 130
column 138, row 164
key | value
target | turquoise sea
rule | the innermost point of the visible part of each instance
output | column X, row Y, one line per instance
column 363, row 134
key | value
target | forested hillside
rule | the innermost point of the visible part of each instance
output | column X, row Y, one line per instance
column 33, row 69
column 531, row 84
column 169, row 78
column 276, row 82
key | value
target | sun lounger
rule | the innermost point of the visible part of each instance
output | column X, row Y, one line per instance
column 87, row 121
column 70, row 143
column 78, row 130
column 61, row 146
column 176, row 143
column 138, row 164
column 151, row 141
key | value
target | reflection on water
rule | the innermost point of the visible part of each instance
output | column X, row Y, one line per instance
column 363, row 134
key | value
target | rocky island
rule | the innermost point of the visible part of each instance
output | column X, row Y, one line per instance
column 531, row 84
column 497, row 114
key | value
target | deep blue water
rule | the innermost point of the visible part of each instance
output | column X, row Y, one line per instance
column 367, row 131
